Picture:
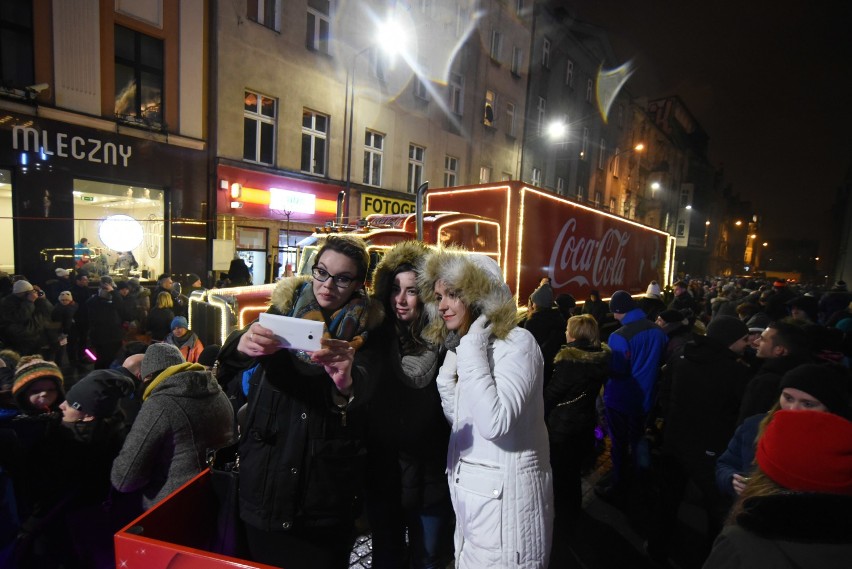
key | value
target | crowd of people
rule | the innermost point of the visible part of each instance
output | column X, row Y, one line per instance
column 456, row 427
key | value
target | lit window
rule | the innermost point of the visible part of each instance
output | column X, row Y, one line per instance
column 264, row 12
column 545, row 53
column 569, row 73
column 373, row 145
column 451, row 169
column 416, row 155
column 517, row 60
column 316, row 37
column 488, row 114
column 496, row 44
column 456, row 93
column 138, row 77
column 259, row 117
column 484, row 175
column 616, row 162
column 314, row 138
column 536, row 176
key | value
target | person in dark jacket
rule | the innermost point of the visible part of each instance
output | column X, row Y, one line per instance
column 677, row 329
column 546, row 324
column 652, row 303
column 579, row 370
column 102, row 317
column 160, row 317
column 595, row 306
column 24, row 316
column 796, row 511
column 700, row 408
column 408, row 437
column 238, row 272
column 302, row 451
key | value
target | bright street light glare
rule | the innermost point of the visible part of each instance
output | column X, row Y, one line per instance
column 655, row 186
column 688, row 207
column 391, row 36
column 557, row 130
column 639, row 146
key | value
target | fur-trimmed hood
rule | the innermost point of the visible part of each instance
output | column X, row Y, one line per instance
column 406, row 252
column 284, row 295
column 479, row 283
column 586, row 355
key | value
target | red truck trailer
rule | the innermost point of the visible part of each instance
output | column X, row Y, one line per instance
column 580, row 248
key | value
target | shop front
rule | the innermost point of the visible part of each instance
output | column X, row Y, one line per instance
column 137, row 198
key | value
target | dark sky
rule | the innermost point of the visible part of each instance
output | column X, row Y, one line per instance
column 770, row 82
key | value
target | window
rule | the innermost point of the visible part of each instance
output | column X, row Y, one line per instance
column 616, row 162
column 517, row 61
column 510, row 119
column 602, row 155
column 138, row 77
column 505, row 176
column 314, row 133
column 488, row 114
column 496, row 44
column 542, row 110
column 484, row 174
column 569, row 73
column 545, row 53
column 16, row 46
column 684, row 197
column 415, row 166
column 317, row 34
column 612, row 205
column 373, row 144
column 536, row 176
column 584, row 145
column 560, row 185
column 419, row 88
column 681, row 228
column 581, row 193
column 451, row 170
column 590, row 89
column 264, row 12
column 259, row 116
column 456, row 93
column 519, row 7
column 598, row 198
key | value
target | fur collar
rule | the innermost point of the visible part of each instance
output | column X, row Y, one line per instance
column 479, row 284
column 823, row 518
column 584, row 354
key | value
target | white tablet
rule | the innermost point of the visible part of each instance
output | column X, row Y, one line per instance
column 294, row 333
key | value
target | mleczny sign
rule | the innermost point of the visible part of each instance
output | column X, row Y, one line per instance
column 62, row 145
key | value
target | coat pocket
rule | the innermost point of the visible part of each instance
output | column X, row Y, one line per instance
column 479, row 497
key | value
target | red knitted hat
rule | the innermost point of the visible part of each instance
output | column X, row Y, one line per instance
column 808, row 451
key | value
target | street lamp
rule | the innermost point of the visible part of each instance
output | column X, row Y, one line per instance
column 392, row 38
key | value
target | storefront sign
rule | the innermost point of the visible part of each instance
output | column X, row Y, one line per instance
column 61, row 145
column 377, row 204
column 294, row 202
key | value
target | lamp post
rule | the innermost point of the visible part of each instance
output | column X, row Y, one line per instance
column 391, row 38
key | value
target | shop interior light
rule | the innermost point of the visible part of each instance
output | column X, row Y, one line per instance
column 121, row 233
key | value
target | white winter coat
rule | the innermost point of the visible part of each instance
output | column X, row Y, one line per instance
column 498, row 462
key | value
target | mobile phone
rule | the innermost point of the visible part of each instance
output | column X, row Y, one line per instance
column 294, row 333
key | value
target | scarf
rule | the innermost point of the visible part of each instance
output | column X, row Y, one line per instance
column 349, row 322
column 168, row 372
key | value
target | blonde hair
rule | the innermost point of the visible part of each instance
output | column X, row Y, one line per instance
column 759, row 485
column 584, row 327
column 164, row 300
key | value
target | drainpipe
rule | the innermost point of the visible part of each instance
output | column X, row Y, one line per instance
column 418, row 208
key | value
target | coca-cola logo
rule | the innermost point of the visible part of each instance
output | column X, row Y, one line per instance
column 582, row 260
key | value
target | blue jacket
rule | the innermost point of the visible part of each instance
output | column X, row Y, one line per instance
column 739, row 456
column 637, row 348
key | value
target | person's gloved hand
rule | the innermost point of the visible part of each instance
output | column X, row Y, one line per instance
column 478, row 334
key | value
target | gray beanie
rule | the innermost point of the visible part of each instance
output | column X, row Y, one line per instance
column 542, row 296
column 158, row 357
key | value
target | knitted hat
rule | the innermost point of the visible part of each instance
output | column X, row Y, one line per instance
column 158, row 357
column 33, row 368
column 192, row 278
column 621, row 302
column 21, row 286
column 671, row 316
column 208, row 355
column 653, row 290
column 826, row 382
column 542, row 296
column 66, row 294
column 565, row 301
column 98, row 393
column 807, row 451
column 179, row 322
column 60, row 272
column 726, row 330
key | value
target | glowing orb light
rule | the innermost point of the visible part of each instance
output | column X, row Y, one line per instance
column 120, row 233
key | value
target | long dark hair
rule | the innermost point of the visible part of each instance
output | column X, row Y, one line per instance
column 407, row 332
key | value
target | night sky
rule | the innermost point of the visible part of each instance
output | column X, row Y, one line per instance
column 770, row 83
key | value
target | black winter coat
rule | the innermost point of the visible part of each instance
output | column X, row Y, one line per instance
column 764, row 389
column 579, row 372
column 548, row 328
column 103, row 318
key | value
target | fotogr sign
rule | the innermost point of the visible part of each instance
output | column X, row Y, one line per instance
column 371, row 204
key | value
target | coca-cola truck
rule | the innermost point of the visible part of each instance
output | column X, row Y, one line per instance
column 580, row 248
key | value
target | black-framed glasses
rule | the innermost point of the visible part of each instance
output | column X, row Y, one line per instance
column 340, row 281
